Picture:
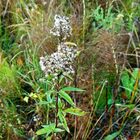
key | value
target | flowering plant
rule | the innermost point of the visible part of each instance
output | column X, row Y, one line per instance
column 61, row 61
column 58, row 65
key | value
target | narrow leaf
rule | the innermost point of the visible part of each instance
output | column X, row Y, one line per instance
column 125, row 79
column 130, row 106
column 72, row 89
column 49, row 138
column 43, row 103
column 75, row 111
column 112, row 136
column 134, row 76
column 58, row 130
column 63, row 121
column 66, row 97
column 46, row 130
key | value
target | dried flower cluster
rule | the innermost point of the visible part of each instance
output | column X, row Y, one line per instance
column 59, row 61
column 62, row 28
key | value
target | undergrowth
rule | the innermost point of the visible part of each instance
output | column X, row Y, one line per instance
column 69, row 70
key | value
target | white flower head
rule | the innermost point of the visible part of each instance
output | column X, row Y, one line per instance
column 62, row 27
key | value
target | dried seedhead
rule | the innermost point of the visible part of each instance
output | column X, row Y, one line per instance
column 62, row 27
column 59, row 62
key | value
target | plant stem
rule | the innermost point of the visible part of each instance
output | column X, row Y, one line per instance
column 57, row 95
column 74, row 97
column 106, row 99
column 84, row 24
column 56, row 117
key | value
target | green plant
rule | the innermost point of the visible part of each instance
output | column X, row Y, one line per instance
column 60, row 121
column 8, row 77
column 129, row 80
column 102, row 20
column 111, row 20
column 57, row 69
column 10, row 120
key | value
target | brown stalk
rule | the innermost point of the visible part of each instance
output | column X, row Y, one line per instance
column 118, row 79
column 75, row 85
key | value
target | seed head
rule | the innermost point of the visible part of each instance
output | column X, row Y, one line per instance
column 60, row 61
column 62, row 28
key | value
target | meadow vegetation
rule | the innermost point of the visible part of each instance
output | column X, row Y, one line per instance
column 69, row 70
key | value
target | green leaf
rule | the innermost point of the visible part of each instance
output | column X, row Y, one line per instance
column 134, row 77
column 46, row 130
column 72, row 89
column 60, row 104
column 130, row 106
column 110, row 101
column 125, row 79
column 48, row 94
column 112, row 136
column 49, row 138
column 26, row 99
column 66, row 97
column 63, row 121
column 128, row 79
column 58, row 130
column 75, row 111
column 43, row 103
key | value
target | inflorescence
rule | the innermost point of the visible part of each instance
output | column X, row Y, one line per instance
column 62, row 28
column 61, row 61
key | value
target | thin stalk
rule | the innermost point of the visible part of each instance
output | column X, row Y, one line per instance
column 115, row 59
column 75, row 85
column 48, row 110
column 104, row 83
column 106, row 99
column 57, row 96
column 6, row 8
column 118, row 79
column 56, row 117
column 84, row 24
